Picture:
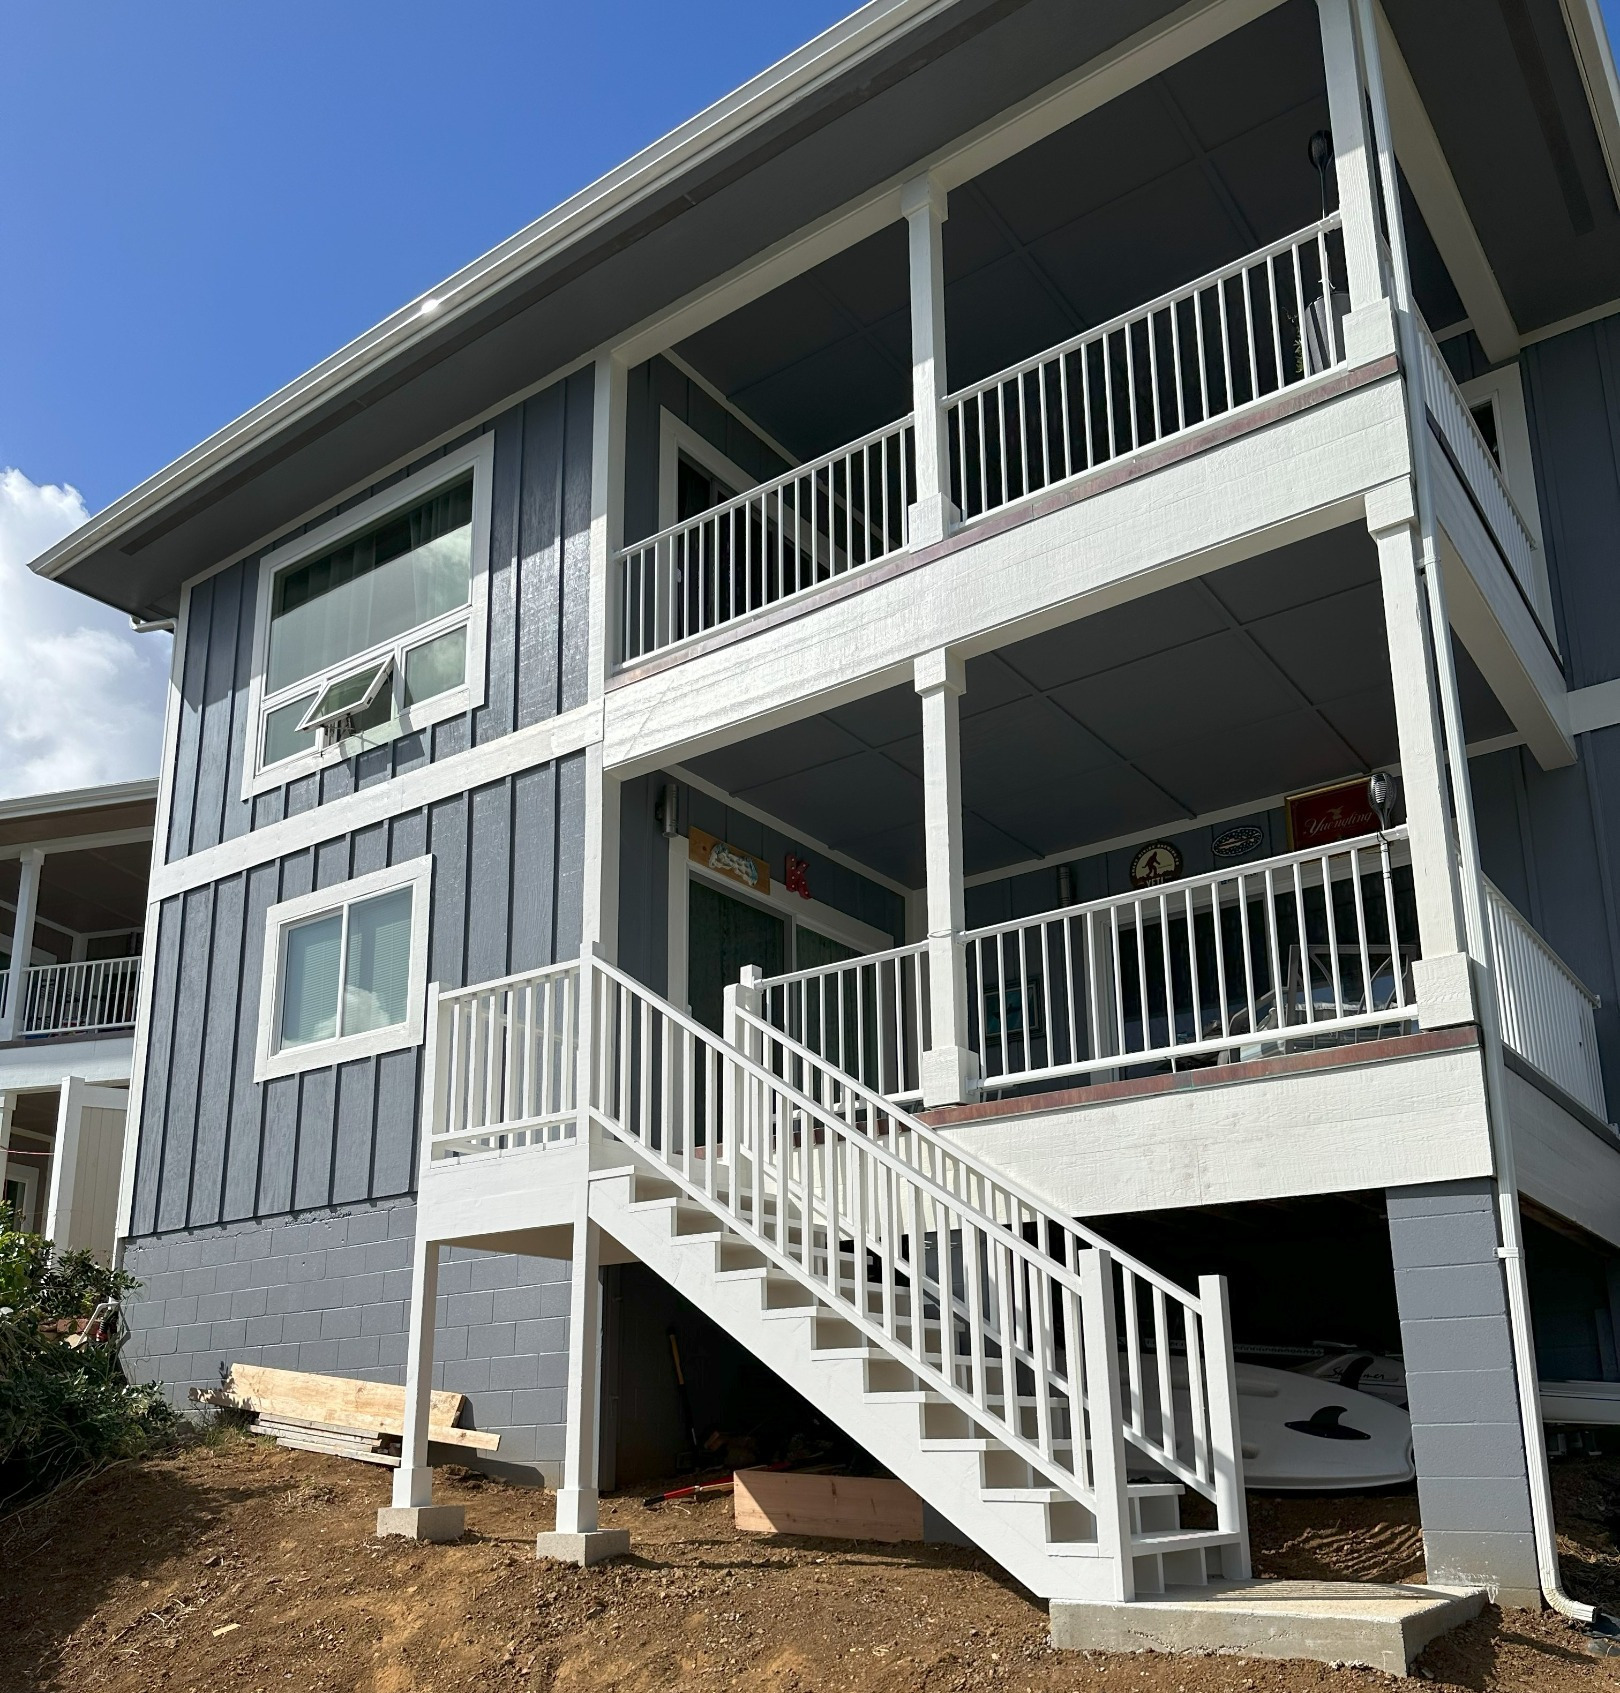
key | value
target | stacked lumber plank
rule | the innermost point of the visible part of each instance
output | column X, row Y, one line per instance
column 363, row 1420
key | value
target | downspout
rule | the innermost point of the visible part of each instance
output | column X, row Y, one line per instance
column 1482, row 967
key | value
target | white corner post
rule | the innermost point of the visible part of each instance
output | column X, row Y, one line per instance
column 413, row 1513
column 600, row 921
column 1225, row 1438
column 1105, row 1418
column 1369, row 331
column 932, row 515
column 950, row 1070
column 577, row 1538
column 14, row 1015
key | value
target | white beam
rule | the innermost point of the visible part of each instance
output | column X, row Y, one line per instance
column 1440, row 200
column 932, row 516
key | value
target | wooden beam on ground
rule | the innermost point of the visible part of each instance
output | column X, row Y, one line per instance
column 826, row 1507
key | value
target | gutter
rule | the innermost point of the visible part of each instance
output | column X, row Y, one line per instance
column 655, row 168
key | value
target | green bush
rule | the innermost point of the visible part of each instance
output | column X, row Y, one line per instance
column 64, row 1409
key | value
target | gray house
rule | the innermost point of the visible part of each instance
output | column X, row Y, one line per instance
column 959, row 734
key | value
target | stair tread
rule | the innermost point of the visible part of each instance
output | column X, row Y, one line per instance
column 1174, row 1540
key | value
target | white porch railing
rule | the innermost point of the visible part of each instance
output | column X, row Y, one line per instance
column 1301, row 950
column 1202, row 352
column 867, row 1016
column 1278, row 954
column 1475, row 463
column 1546, row 1009
column 780, row 539
column 82, row 998
column 502, row 1063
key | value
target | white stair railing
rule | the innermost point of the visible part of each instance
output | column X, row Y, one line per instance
column 1001, row 1305
column 778, row 540
column 501, row 1067
column 867, row 1016
column 60, row 999
column 1547, row 1011
column 1475, row 463
column 1203, row 352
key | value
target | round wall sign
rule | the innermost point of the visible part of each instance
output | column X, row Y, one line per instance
column 1237, row 842
column 1155, row 863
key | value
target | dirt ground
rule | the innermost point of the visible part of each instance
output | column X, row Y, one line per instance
column 237, row 1565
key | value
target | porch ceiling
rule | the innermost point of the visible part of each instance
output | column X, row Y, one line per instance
column 1185, row 173
column 1264, row 678
column 88, row 892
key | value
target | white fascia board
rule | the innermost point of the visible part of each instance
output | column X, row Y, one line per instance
column 1589, row 37
column 1299, row 476
column 36, row 1066
column 758, row 101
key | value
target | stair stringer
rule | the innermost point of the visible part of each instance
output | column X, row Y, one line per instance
column 888, row 1425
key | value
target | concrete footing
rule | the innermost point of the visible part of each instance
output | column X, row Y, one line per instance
column 1383, row 1627
column 594, row 1546
column 423, row 1522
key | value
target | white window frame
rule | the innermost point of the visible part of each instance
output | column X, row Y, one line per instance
column 477, row 456
column 271, row 1061
column 676, row 438
column 1503, row 389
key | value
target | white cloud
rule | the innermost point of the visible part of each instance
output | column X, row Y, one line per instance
column 81, row 695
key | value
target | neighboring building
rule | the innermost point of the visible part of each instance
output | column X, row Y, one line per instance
column 885, row 607
column 73, row 898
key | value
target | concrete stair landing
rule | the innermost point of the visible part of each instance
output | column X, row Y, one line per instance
column 1382, row 1626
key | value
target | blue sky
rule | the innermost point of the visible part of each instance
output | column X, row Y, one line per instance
column 203, row 199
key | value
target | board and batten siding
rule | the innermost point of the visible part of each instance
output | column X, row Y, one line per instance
column 538, row 631
column 218, row 1147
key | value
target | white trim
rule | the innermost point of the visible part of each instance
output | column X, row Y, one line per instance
column 791, row 830
column 524, row 749
column 1589, row 36
column 78, row 843
column 477, row 456
column 1504, row 389
column 1579, row 320
column 1428, row 173
column 696, row 376
column 417, row 875
column 1596, row 707
column 79, row 799
column 676, row 437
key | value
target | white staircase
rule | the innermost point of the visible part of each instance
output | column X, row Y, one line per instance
column 1051, row 1398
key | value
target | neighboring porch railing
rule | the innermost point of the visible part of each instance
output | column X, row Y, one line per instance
column 1202, row 352
column 778, row 540
column 82, row 998
column 1546, row 1009
column 1453, row 422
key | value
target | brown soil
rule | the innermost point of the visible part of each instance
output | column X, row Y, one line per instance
column 236, row 1565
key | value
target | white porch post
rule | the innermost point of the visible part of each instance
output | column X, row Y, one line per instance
column 13, row 1018
column 64, row 1161
column 413, row 1513
column 1442, row 975
column 950, row 1071
column 1370, row 328
column 601, row 914
column 577, row 1539
column 933, row 514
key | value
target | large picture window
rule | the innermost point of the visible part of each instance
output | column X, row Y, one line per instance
column 372, row 625
column 344, row 971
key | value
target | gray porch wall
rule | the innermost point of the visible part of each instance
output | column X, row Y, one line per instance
column 330, row 1292
column 539, row 580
